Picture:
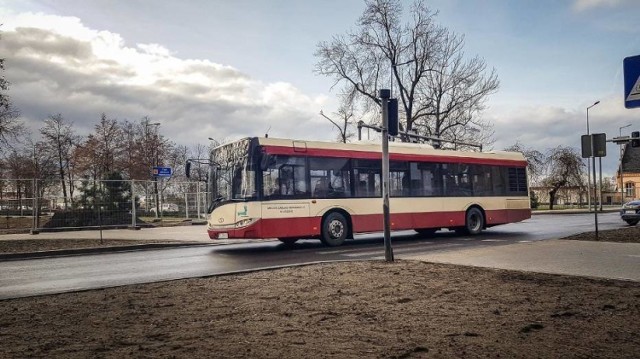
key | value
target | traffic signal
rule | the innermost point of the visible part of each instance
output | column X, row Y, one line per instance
column 635, row 139
column 393, row 117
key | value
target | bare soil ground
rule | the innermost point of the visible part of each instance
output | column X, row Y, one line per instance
column 403, row 309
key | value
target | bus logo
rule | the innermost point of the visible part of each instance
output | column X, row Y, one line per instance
column 244, row 212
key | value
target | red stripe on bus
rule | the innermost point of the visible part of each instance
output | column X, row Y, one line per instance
column 282, row 150
column 309, row 227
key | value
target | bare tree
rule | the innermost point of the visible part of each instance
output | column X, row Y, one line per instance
column 564, row 168
column 10, row 126
column 131, row 160
column 26, row 164
column 345, row 113
column 200, row 157
column 440, row 92
column 108, row 138
column 59, row 141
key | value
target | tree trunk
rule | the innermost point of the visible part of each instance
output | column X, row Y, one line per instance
column 552, row 198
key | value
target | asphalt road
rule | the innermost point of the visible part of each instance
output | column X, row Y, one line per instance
column 72, row 273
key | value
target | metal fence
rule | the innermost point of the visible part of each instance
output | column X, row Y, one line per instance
column 38, row 205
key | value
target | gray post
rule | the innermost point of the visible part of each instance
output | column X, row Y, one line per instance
column 161, row 199
column 622, row 189
column 186, row 205
column 34, row 209
column 388, row 251
column 133, row 205
column 198, row 199
column 595, row 189
column 600, row 170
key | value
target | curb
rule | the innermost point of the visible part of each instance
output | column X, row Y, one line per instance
column 97, row 250
column 571, row 211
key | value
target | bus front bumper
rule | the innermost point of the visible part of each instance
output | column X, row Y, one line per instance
column 250, row 231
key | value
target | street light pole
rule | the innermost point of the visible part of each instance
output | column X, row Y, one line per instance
column 588, row 169
column 154, row 155
column 622, row 189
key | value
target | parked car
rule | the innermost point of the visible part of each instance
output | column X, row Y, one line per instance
column 630, row 212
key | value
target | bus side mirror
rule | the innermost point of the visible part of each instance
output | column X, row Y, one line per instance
column 187, row 169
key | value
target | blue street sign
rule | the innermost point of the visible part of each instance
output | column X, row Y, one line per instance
column 631, row 67
column 161, row 171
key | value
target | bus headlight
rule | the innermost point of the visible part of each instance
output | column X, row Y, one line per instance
column 245, row 222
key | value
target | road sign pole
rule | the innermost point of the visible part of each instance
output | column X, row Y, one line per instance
column 595, row 188
column 600, row 170
column 388, row 251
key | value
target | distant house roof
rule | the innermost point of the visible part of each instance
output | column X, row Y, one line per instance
column 631, row 159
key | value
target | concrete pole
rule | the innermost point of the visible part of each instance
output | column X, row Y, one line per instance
column 388, row 250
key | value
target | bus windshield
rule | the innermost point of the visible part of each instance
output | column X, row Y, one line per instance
column 232, row 172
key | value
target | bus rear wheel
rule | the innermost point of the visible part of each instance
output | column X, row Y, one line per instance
column 334, row 229
column 474, row 221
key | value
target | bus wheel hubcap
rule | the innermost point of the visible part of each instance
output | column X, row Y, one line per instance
column 336, row 228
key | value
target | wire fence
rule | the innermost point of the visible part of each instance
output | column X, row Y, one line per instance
column 45, row 205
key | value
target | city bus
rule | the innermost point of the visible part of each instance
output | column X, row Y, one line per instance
column 292, row 189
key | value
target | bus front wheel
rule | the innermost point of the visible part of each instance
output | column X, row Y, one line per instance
column 334, row 229
column 474, row 221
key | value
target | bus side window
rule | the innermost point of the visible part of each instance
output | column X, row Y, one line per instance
column 321, row 188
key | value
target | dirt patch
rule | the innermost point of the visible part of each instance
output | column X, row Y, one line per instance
column 629, row 234
column 403, row 309
column 343, row 310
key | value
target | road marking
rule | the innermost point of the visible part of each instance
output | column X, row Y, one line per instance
column 633, row 255
column 494, row 240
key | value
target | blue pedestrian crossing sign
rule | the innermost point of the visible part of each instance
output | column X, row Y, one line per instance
column 161, row 171
column 631, row 67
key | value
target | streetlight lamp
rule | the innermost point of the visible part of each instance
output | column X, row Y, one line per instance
column 588, row 169
column 622, row 189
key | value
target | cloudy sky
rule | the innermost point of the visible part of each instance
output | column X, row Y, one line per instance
column 229, row 69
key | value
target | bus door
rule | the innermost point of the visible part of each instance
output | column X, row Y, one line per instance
column 426, row 190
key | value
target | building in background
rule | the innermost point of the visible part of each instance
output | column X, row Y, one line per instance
column 630, row 166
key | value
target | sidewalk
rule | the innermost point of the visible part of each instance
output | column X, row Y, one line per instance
column 175, row 233
column 566, row 257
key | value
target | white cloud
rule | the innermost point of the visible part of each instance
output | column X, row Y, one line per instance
column 58, row 65
column 545, row 127
column 582, row 5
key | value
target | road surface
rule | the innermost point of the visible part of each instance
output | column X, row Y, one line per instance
column 64, row 274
